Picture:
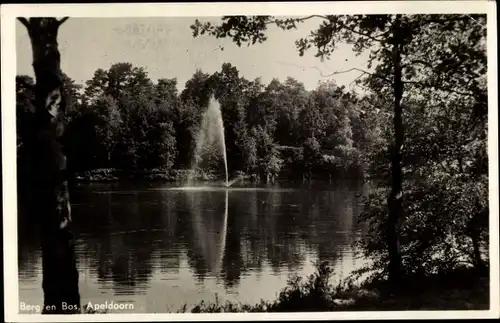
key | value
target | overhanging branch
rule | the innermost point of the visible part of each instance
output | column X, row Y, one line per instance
column 357, row 78
column 274, row 21
column 418, row 61
column 374, row 38
column 423, row 85
column 25, row 22
column 363, row 72
column 60, row 22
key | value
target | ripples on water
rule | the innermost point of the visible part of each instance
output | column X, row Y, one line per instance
column 161, row 247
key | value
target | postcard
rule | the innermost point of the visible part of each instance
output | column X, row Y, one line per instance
column 244, row 161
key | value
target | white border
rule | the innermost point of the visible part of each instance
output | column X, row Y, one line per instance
column 8, row 59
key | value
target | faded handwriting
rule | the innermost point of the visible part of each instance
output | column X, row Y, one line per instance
column 135, row 29
column 148, row 43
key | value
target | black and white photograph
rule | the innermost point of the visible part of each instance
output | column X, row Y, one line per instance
column 216, row 158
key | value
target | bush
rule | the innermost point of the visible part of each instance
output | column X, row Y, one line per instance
column 316, row 293
column 444, row 226
column 462, row 288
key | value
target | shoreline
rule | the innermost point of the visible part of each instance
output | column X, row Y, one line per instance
column 465, row 288
column 182, row 175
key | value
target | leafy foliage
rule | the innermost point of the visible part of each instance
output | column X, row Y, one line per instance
column 463, row 288
column 434, row 67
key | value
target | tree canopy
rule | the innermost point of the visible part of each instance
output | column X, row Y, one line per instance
column 432, row 70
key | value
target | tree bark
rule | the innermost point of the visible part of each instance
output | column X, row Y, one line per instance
column 478, row 261
column 474, row 232
column 50, row 198
column 396, row 194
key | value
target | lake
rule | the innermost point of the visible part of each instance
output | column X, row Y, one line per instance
column 158, row 246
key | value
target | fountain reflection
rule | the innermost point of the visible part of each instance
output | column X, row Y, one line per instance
column 194, row 243
column 209, row 229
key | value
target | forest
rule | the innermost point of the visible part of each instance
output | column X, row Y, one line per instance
column 122, row 120
column 418, row 128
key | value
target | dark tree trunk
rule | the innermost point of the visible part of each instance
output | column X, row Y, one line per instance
column 478, row 261
column 50, row 197
column 474, row 232
column 396, row 194
column 460, row 165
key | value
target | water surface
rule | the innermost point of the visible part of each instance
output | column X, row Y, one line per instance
column 160, row 246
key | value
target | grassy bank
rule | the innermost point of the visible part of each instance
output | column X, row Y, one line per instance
column 462, row 289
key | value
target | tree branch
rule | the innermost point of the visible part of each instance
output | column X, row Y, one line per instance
column 363, row 72
column 361, row 34
column 357, row 69
column 423, row 85
column 60, row 22
column 299, row 19
column 372, row 74
column 315, row 16
column 418, row 61
column 438, row 21
column 357, row 78
column 25, row 22
column 374, row 38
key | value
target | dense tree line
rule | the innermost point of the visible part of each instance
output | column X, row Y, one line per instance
column 123, row 120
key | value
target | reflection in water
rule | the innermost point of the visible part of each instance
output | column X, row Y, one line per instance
column 162, row 247
column 209, row 227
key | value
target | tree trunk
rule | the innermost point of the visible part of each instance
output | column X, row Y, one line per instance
column 460, row 165
column 478, row 261
column 474, row 232
column 50, row 198
column 396, row 194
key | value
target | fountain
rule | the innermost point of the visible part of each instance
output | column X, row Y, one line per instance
column 210, row 139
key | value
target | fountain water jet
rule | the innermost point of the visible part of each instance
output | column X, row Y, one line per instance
column 210, row 135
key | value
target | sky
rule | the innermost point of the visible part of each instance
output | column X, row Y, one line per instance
column 165, row 47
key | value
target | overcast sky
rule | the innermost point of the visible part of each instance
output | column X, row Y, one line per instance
column 166, row 48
